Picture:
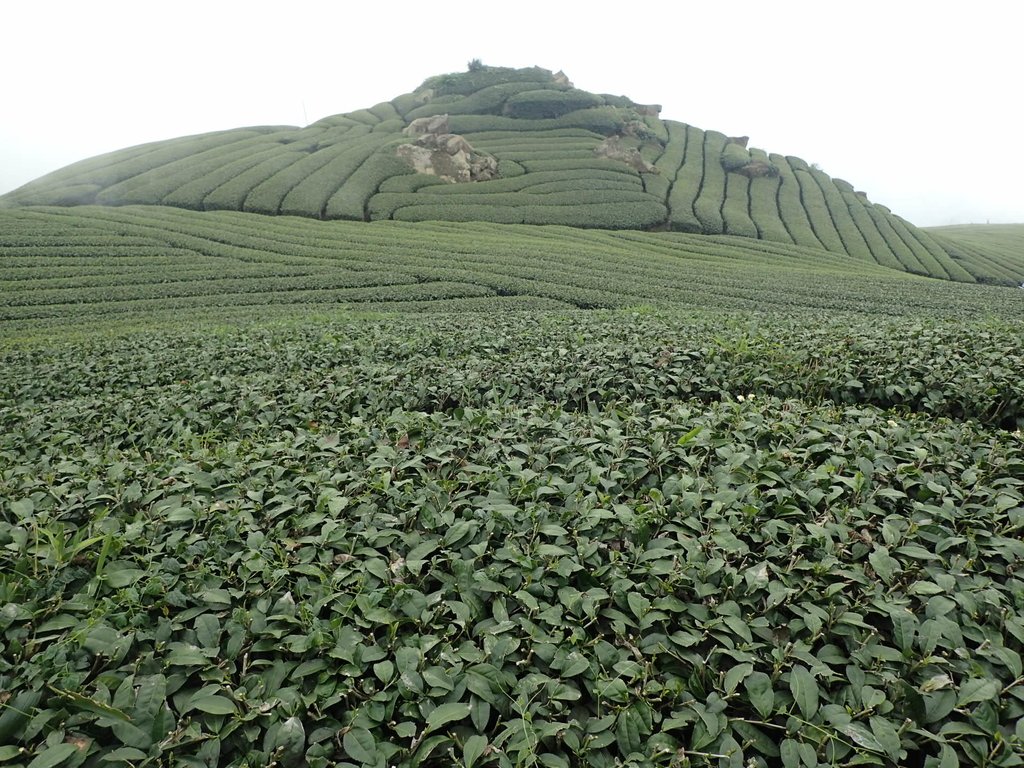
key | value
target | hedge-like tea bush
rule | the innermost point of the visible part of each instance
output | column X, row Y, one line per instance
column 884, row 222
column 852, row 239
column 310, row 195
column 817, row 210
column 192, row 193
column 791, row 208
column 764, row 204
column 543, row 104
column 350, row 201
column 687, row 183
column 231, row 194
column 465, row 83
column 735, row 209
column 880, row 250
column 734, row 157
column 489, row 100
column 708, row 205
column 605, row 121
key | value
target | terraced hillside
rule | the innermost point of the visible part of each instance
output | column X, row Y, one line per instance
column 83, row 265
column 991, row 252
column 513, row 146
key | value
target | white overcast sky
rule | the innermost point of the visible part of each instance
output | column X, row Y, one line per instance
column 918, row 103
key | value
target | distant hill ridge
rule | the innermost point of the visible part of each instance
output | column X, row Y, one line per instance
column 512, row 146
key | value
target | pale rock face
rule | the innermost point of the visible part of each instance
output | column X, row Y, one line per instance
column 614, row 149
column 446, row 155
column 425, row 125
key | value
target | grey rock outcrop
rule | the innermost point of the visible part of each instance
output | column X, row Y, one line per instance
column 433, row 124
column 448, row 156
column 614, row 149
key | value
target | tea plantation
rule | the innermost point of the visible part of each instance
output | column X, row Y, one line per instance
column 405, row 491
column 513, row 146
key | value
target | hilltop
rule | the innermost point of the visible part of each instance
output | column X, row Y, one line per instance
column 515, row 146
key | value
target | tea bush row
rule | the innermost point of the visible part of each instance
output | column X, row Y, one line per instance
column 544, row 539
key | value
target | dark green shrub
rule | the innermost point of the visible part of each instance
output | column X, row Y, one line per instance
column 657, row 127
column 510, row 169
column 406, row 103
column 350, row 201
column 547, row 103
column 581, row 176
column 394, row 127
column 463, row 83
column 459, row 212
column 635, row 215
column 657, row 186
column 928, row 262
column 853, row 240
column 797, row 164
column 486, row 101
column 604, row 121
column 880, row 250
column 384, row 111
column 708, row 205
column 734, row 157
column 948, row 263
column 883, row 220
column 310, row 195
column 410, row 182
column 192, row 193
column 134, row 175
column 671, row 158
column 363, row 116
column 109, row 170
column 735, row 217
column 687, row 183
column 791, row 207
column 231, row 194
column 764, row 208
column 817, row 212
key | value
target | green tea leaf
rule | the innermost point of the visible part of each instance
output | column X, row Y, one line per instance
column 473, row 749
column 736, row 675
column 884, row 565
column 804, row 690
column 886, row 735
column 789, row 751
column 360, row 745
column 446, row 713
column 213, row 705
column 759, row 688
column 977, row 689
column 53, row 756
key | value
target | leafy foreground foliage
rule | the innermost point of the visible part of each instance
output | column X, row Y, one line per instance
column 591, row 539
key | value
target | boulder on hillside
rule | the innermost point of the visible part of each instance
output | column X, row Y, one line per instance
column 560, row 78
column 436, row 124
column 615, row 149
column 757, row 168
column 448, row 156
column 739, row 140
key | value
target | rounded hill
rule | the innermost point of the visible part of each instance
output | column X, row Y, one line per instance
column 511, row 146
